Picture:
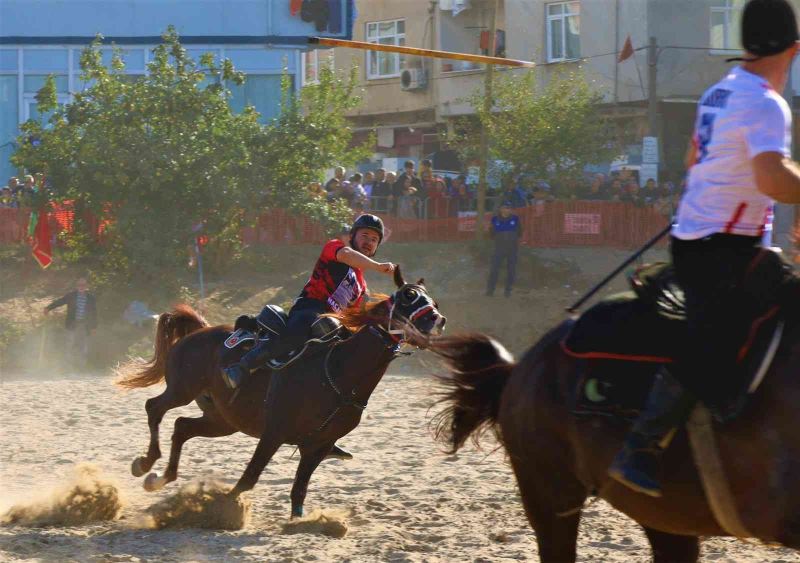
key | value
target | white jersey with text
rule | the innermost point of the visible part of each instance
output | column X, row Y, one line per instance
column 738, row 118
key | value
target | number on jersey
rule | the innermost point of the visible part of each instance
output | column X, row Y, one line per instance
column 704, row 132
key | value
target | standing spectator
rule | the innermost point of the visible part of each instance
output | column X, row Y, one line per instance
column 81, row 320
column 615, row 191
column 514, row 195
column 13, row 185
column 649, row 193
column 369, row 183
column 391, row 200
column 631, row 193
column 436, row 204
column 359, row 197
column 407, row 201
column 338, row 176
column 381, row 191
column 29, row 187
column 506, row 231
column 408, row 172
column 7, row 198
column 335, row 192
column 462, row 200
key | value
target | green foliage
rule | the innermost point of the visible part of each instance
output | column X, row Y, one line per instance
column 549, row 131
column 163, row 153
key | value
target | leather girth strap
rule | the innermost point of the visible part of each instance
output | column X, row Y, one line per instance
column 712, row 473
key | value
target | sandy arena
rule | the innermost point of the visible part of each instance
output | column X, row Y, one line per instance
column 400, row 499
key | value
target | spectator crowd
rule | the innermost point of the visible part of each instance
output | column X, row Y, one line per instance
column 14, row 193
column 424, row 194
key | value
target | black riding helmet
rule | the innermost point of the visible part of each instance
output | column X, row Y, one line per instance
column 367, row 221
column 768, row 28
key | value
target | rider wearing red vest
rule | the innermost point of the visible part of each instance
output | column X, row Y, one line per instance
column 336, row 283
column 739, row 166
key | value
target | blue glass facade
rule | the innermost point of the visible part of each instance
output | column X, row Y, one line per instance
column 41, row 37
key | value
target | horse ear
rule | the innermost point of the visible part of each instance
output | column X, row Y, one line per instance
column 421, row 281
column 398, row 277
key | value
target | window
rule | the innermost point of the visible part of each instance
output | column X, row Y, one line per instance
column 311, row 62
column 563, row 31
column 385, row 65
column 726, row 17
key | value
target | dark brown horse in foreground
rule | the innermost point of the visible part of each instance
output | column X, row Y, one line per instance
column 560, row 459
column 311, row 403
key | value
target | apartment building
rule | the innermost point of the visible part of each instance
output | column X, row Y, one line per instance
column 409, row 101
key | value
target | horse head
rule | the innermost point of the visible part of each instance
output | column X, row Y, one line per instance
column 414, row 312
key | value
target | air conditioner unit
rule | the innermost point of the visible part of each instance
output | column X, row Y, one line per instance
column 413, row 79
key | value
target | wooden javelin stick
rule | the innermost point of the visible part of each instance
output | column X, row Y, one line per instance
column 330, row 42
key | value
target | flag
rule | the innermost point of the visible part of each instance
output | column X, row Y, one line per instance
column 627, row 51
column 39, row 229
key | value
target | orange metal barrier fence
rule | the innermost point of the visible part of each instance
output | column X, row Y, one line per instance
column 547, row 224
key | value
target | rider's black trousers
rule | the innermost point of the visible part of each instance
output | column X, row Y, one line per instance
column 728, row 281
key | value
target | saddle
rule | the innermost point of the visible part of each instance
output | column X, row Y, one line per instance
column 625, row 338
column 270, row 323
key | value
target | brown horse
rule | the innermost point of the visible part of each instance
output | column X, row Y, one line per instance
column 560, row 459
column 310, row 403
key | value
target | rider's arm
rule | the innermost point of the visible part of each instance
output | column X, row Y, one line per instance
column 355, row 259
column 777, row 177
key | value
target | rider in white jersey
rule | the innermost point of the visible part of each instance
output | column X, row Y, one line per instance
column 738, row 118
column 739, row 166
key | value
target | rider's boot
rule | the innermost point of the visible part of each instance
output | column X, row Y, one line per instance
column 638, row 465
column 234, row 375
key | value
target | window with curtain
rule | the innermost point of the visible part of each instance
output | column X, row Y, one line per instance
column 262, row 91
column 563, row 31
column 385, row 65
column 725, row 24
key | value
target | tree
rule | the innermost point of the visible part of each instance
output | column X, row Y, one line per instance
column 158, row 155
column 552, row 131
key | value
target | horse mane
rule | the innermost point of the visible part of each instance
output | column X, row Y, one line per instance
column 354, row 318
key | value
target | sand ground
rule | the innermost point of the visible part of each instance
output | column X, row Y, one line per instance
column 406, row 500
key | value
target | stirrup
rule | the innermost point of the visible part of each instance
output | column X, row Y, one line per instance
column 233, row 376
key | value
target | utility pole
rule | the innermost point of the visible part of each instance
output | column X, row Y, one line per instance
column 652, row 75
column 488, row 102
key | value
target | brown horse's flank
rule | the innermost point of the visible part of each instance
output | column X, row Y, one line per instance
column 183, row 320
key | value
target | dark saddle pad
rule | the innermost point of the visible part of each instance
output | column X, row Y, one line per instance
column 270, row 323
column 627, row 337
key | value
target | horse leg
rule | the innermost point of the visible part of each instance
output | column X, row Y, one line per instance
column 156, row 409
column 267, row 446
column 210, row 425
column 309, row 460
column 556, row 529
column 669, row 548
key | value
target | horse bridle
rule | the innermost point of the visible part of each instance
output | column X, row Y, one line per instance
column 425, row 308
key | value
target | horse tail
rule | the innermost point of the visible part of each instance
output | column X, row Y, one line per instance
column 479, row 369
column 171, row 328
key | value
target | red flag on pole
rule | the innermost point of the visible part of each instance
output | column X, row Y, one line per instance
column 41, row 239
column 627, row 51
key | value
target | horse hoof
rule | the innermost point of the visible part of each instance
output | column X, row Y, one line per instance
column 154, row 483
column 136, row 467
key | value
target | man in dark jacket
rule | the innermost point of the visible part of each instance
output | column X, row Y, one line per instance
column 506, row 230
column 81, row 319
